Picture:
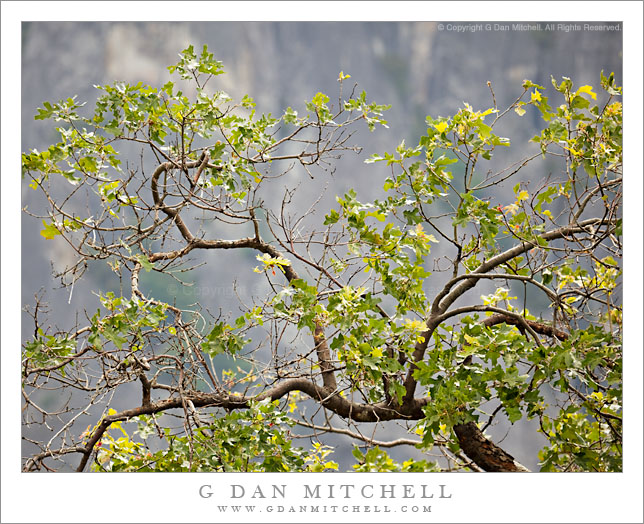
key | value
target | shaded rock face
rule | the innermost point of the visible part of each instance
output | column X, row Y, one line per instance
column 415, row 67
column 412, row 66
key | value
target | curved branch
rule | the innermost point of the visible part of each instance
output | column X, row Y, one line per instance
column 593, row 192
column 448, row 295
column 551, row 294
column 508, row 317
column 37, row 459
column 538, row 327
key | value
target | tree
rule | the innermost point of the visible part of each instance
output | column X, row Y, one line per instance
column 355, row 324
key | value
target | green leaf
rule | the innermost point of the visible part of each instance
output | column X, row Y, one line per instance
column 44, row 114
column 331, row 218
column 374, row 158
column 145, row 262
column 484, row 130
column 579, row 102
column 290, row 116
column 320, row 99
column 514, row 413
column 88, row 164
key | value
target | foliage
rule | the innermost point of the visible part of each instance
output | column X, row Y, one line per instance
column 377, row 460
column 373, row 340
column 253, row 440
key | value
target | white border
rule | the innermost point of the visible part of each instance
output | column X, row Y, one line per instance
column 172, row 498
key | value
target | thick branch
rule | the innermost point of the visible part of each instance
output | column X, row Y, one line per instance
column 324, row 358
column 328, row 398
column 483, row 452
column 538, row 327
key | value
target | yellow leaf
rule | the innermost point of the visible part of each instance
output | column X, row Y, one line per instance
column 50, row 230
column 441, row 127
column 588, row 90
column 523, row 195
column 117, row 425
column 415, row 325
column 574, row 151
column 470, row 340
column 519, row 111
column 535, row 97
column 376, row 352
